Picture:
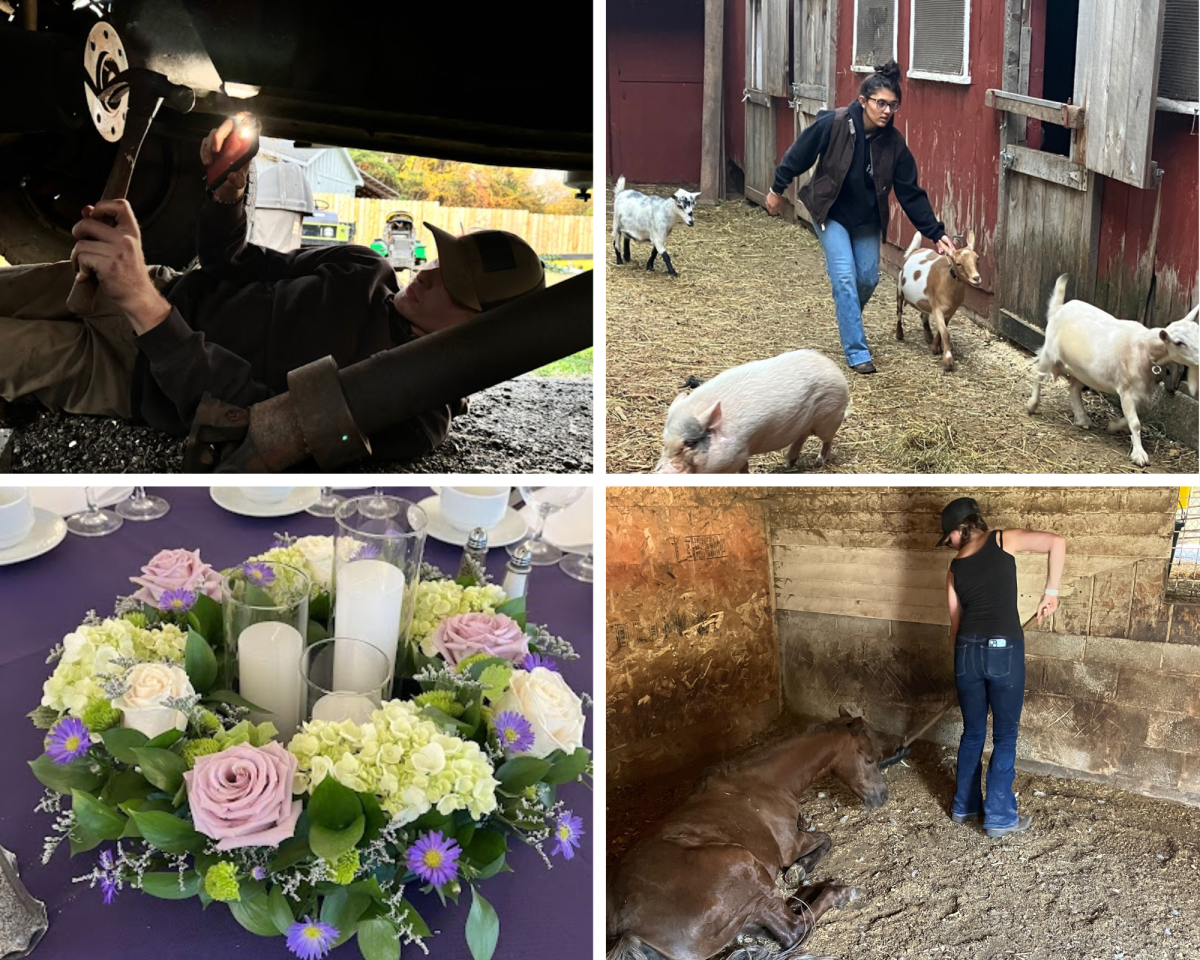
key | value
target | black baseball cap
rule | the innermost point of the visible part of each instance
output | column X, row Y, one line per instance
column 955, row 512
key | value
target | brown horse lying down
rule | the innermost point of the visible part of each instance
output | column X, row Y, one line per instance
column 707, row 872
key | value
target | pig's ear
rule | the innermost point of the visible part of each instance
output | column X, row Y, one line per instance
column 710, row 419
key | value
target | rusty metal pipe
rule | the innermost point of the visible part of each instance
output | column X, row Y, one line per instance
column 398, row 384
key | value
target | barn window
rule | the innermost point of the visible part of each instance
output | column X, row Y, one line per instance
column 1183, row 578
column 938, row 31
column 1179, row 63
column 874, row 34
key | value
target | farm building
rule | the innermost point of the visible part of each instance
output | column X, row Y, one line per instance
column 1064, row 134
column 737, row 615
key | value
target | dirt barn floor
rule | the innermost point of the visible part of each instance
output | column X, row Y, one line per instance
column 751, row 286
column 1102, row 874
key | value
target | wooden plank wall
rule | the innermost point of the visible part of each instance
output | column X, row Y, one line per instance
column 692, row 657
column 1113, row 679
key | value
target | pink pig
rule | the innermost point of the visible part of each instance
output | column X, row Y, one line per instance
column 755, row 408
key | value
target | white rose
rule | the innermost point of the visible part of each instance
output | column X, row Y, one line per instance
column 318, row 553
column 142, row 702
column 552, row 708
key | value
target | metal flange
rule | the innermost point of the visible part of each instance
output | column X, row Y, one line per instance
column 103, row 60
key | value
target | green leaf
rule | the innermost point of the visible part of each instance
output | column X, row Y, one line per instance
column 378, row 940
column 205, row 618
column 125, row 785
column 281, row 911
column 493, row 868
column 315, row 632
column 120, row 742
column 331, row 844
column 291, row 852
column 165, row 739
column 65, row 777
column 342, row 909
column 569, row 768
column 228, row 696
column 448, row 723
column 319, row 607
column 486, row 846
column 81, row 840
column 475, row 670
column 200, row 662
column 97, row 819
column 514, row 608
column 166, row 831
column 521, row 772
column 162, row 768
column 333, row 806
column 253, row 910
column 483, row 928
column 165, row 886
column 375, row 817
column 44, row 717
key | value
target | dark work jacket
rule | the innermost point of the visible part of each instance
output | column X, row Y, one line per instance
column 250, row 315
column 845, row 187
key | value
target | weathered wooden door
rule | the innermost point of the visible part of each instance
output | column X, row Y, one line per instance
column 811, row 81
column 766, row 77
column 1049, row 210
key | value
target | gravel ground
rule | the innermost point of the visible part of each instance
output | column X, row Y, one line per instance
column 1102, row 875
column 527, row 425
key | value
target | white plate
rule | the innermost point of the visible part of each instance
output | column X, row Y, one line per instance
column 65, row 501
column 233, row 500
column 46, row 533
column 569, row 529
column 509, row 530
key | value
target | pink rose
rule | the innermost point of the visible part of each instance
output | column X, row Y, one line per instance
column 467, row 634
column 242, row 796
column 176, row 570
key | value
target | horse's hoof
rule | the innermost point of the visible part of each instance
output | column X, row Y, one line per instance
column 794, row 876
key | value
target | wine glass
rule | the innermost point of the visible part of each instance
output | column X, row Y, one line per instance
column 142, row 506
column 93, row 522
column 577, row 565
column 377, row 506
column 328, row 504
column 545, row 500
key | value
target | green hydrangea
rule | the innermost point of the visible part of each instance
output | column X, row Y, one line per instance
column 437, row 599
column 401, row 757
column 246, row 732
column 343, row 870
column 221, row 882
column 206, row 722
column 88, row 654
column 198, row 748
column 100, row 714
column 443, row 700
column 137, row 618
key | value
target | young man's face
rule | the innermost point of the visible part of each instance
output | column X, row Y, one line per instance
column 427, row 305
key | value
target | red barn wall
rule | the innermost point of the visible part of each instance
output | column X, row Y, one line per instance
column 734, row 76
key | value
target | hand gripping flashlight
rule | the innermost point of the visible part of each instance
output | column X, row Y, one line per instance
column 238, row 150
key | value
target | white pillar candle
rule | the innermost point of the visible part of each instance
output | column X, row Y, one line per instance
column 344, row 706
column 370, row 596
column 269, row 673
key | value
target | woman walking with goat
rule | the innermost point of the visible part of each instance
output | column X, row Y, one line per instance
column 860, row 158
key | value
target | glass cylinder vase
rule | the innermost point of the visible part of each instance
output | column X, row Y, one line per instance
column 344, row 679
column 266, row 624
column 377, row 565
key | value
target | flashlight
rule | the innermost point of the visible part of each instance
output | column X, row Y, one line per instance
column 238, row 150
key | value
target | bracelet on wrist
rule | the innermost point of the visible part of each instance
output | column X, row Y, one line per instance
column 1050, row 593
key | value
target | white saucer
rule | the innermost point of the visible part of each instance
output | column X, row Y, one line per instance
column 509, row 530
column 233, row 500
column 46, row 533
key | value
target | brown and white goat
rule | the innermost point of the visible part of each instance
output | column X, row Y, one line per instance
column 936, row 284
column 1093, row 348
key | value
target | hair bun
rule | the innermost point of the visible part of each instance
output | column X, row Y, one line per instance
column 890, row 70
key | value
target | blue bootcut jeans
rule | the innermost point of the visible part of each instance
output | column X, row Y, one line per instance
column 852, row 262
column 989, row 672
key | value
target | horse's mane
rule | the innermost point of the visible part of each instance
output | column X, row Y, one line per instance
column 728, row 767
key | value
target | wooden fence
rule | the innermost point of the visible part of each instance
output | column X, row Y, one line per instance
column 545, row 232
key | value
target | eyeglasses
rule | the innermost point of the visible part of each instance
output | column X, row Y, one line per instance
column 892, row 105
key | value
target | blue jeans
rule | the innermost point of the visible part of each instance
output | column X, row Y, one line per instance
column 852, row 262
column 988, row 672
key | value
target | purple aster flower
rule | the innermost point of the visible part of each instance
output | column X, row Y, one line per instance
column 106, row 860
column 567, row 831
column 434, row 858
column 259, row 873
column 537, row 660
column 514, row 732
column 259, row 573
column 367, row 551
column 176, row 601
column 67, row 740
column 108, row 886
column 311, row 939
column 108, row 875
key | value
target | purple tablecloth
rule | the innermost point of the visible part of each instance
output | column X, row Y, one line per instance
column 543, row 913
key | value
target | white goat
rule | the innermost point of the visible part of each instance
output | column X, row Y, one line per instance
column 639, row 217
column 1093, row 348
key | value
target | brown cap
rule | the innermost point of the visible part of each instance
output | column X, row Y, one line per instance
column 485, row 269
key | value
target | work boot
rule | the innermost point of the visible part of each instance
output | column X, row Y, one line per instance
column 1021, row 826
column 964, row 817
column 865, row 367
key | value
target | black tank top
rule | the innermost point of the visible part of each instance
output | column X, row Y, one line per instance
column 986, row 584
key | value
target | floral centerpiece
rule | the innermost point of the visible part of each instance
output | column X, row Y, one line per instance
column 150, row 761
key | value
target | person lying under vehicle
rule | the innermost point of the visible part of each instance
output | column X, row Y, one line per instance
column 235, row 327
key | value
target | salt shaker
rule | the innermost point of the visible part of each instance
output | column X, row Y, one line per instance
column 516, row 573
column 474, row 555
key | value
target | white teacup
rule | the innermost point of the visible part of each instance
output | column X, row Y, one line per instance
column 466, row 508
column 266, row 494
column 16, row 516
